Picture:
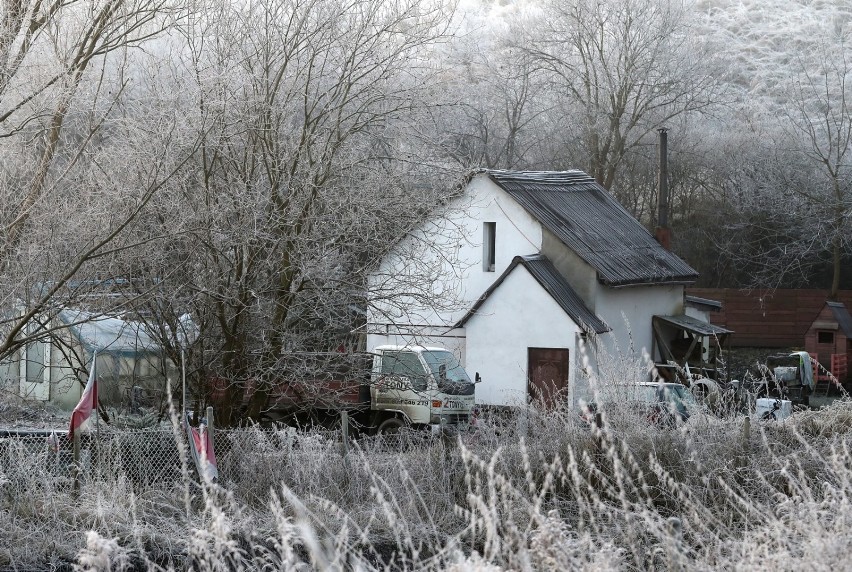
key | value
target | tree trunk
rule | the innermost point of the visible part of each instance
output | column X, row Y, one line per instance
column 258, row 402
column 836, row 252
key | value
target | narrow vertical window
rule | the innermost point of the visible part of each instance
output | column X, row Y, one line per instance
column 489, row 232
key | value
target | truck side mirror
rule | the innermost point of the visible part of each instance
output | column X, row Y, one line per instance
column 477, row 378
column 442, row 371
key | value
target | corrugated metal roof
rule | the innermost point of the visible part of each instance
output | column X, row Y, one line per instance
column 694, row 325
column 588, row 220
column 704, row 303
column 554, row 284
column 841, row 314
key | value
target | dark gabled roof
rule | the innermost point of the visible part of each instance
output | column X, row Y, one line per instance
column 841, row 314
column 554, row 284
column 588, row 220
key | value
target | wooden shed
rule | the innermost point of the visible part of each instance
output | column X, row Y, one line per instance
column 829, row 339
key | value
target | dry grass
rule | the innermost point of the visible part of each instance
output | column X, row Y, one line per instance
column 531, row 492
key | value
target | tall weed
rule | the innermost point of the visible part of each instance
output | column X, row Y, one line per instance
column 539, row 490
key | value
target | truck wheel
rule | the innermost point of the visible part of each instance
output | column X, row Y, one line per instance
column 391, row 426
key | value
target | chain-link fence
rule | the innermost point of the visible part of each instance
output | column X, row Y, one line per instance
column 156, row 466
column 152, row 457
column 142, row 485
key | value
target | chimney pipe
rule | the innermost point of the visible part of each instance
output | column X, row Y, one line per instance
column 663, row 233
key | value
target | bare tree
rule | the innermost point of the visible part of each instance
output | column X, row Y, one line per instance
column 500, row 117
column 60, row 77
column 786, row 193
column 818, row 126
column 625, row 67
column 302, row 178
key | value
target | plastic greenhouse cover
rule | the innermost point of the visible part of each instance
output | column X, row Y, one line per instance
column 106, row 334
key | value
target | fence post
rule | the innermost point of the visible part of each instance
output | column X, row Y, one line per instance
column 75, row 465
column 344, row 434
column 675, row 535
column 344, row 449
column 742, row 457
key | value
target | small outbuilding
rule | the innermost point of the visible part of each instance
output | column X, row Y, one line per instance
column 55, row 368
column 829, row 339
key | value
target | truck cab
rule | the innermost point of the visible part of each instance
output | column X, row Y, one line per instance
column 419, row 386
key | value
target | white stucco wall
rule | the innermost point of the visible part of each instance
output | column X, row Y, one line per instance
column 517, row 316
column 579, row 273
column 628, row 311
column 440, row 263
column 452, row 340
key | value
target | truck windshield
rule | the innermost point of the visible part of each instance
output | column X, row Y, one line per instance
column 406, row 365
column 677, row 396
column 682, row 398
column 456, row 375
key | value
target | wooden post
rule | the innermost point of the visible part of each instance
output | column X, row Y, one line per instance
column 209, row 432
column 742, row 457
column 75, row 466
column 344, row 434
column 344, row 449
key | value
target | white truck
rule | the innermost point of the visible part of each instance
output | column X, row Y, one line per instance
column 384, row 390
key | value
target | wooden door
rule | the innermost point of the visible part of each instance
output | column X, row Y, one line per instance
column 547, row 372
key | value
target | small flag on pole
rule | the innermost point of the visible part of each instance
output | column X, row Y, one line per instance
column 88, row 401
column 203, row 453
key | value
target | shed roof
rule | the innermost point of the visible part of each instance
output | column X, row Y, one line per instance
column 554, row 284
column 841, row 314
column 588, row 220
column 694, row 325
column 703, row 303
column 108, row 335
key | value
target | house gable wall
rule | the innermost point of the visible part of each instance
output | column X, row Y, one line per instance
column 444, row 256
column 517, row 316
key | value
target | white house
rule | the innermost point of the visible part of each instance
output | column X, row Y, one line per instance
column 530, row 277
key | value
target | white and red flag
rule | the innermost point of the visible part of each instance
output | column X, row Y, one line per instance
column 88, row 401
column 203, row 453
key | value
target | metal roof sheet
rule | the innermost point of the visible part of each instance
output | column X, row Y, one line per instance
column 554, row 284
column 841, row 314
column 712, row 305
column 694, row 325
column 588, row 220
